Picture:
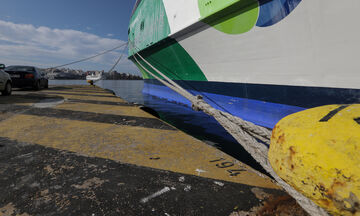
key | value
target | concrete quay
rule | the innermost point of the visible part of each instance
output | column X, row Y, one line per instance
column 80, row 150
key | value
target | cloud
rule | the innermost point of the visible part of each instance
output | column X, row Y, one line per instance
column 46, row 47
column 110, row 35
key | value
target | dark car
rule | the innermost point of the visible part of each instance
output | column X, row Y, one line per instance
column 27, row 76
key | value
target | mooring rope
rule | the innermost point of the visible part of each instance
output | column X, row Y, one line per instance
column 118, row 60
column 116, row 63
column 124, row 45
column 91, row 57
column 246, row 133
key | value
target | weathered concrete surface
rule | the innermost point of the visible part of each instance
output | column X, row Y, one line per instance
column 43, row 181
column 87, row 152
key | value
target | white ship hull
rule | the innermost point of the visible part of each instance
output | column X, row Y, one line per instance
column 259, row 60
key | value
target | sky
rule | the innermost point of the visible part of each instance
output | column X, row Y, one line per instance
column 47, row 33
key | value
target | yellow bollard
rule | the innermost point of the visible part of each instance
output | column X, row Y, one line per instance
column 317, row 151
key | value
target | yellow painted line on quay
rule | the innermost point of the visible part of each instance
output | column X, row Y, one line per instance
column 100, row 108
column 85, row 95
column 105, row 109
column 170, row 150
column 79, row 89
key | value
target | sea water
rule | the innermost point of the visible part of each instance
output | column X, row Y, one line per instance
column 194, row 123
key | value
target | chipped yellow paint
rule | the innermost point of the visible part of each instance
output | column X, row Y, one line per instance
column 170, row 150
column 91, row 93
column 97, row 95
column 317, row 152
column 10, row 209
column 86, row 97
column 135, row 145
column 105, row 109
column 85, row 93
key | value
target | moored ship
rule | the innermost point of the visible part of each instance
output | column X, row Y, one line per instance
column 260, row 60
column 93, row 77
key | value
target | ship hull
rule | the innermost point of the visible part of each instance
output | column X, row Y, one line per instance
column 261, row 104
column 264, row 70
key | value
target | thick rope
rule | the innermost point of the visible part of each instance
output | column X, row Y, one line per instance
column 204, row 107
column 118, row 60
column 246, row 133
column 91, row 57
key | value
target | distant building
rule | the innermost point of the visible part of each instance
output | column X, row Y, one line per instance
column 66, row 73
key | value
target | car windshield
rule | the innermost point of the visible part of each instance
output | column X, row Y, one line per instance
column 20, row 68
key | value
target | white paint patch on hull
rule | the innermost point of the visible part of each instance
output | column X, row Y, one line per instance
column 181, row 13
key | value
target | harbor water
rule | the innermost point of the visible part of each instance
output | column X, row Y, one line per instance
column 197, row 124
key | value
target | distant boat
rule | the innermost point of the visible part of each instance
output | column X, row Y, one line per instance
column 94, row 77
column 260, row 60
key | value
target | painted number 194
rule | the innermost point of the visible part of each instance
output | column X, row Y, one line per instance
column 226, row 164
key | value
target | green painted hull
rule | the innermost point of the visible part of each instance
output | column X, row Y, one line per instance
column 171, row 59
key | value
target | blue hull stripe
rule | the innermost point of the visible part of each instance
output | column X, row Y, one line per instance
column 263, row 105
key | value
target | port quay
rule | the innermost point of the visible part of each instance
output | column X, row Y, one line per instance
column 80, row 150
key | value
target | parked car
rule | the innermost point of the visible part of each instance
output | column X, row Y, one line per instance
column 5, row 81
column 27, row 76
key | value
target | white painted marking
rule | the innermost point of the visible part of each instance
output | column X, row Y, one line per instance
column 187, row 188
column 199, row 171
column 182, row 179
column 160, row 192
column 219, row 183
column 167, row 214
column 48, row 103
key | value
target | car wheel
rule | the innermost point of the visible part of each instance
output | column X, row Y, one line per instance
column 37, row 85
column 8, row 89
